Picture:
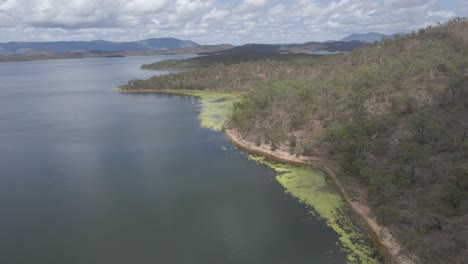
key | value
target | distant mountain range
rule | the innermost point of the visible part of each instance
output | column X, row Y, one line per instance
column 27, row 51
column 369, row 37
column 51, row 55
column 97, row 45
column 346, row 44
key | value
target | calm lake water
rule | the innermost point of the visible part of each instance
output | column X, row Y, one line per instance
column 92, row 176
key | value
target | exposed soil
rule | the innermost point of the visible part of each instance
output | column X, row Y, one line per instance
column 361, row 208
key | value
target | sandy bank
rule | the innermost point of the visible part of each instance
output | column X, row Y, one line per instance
column 388, row 242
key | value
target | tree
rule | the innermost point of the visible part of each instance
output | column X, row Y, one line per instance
column 447, row 198
column 381, row 190
column 411, row 155
column 460, row 178
column 420, row 127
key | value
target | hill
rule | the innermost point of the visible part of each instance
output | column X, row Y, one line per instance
column 391, row 119
column 220, row 59
column 308, row 47
column 97, row 45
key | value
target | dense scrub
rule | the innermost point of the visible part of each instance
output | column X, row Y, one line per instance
column 227, row 73
column 394, row 116
column 220, row 59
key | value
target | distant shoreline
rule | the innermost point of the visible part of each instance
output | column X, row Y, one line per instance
column 26, row 58
column 50, row 55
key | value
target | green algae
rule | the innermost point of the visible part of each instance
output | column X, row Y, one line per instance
column 216, row 108
column 309, row 186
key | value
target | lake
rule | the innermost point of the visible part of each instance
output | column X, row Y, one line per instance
column 92, row 176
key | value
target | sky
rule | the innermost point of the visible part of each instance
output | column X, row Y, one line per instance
column 217, row 21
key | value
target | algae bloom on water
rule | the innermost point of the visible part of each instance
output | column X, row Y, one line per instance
column 216, row 108
column 309, row 186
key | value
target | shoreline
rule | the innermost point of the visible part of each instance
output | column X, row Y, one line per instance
column 383, row 236
column 193, row 93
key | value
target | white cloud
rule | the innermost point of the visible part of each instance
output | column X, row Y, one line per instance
column 70, row 14
column 277, row 10
column 144, row 6
column 7, row 4
column 251, row 6
column 406, row 3
column 215, row 14
column 186, row 10
column 214, row 21
column 310, row 8
column 441, row 14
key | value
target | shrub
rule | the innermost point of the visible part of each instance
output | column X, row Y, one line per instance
column 258, row 141
column 387, row 215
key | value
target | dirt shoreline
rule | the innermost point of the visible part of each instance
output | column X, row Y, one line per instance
column 385, row 238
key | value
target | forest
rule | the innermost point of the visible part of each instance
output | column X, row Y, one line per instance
column 392, row 117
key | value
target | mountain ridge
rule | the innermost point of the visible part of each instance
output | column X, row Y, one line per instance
column 16, row 47
column 13, row 48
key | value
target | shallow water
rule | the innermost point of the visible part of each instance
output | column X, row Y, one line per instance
column 92, row 176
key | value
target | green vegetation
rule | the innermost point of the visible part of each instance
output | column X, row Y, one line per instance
column 216, row 108
column 219, row 60
column 394, row 117
column 243, row 76
column 309, row 186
